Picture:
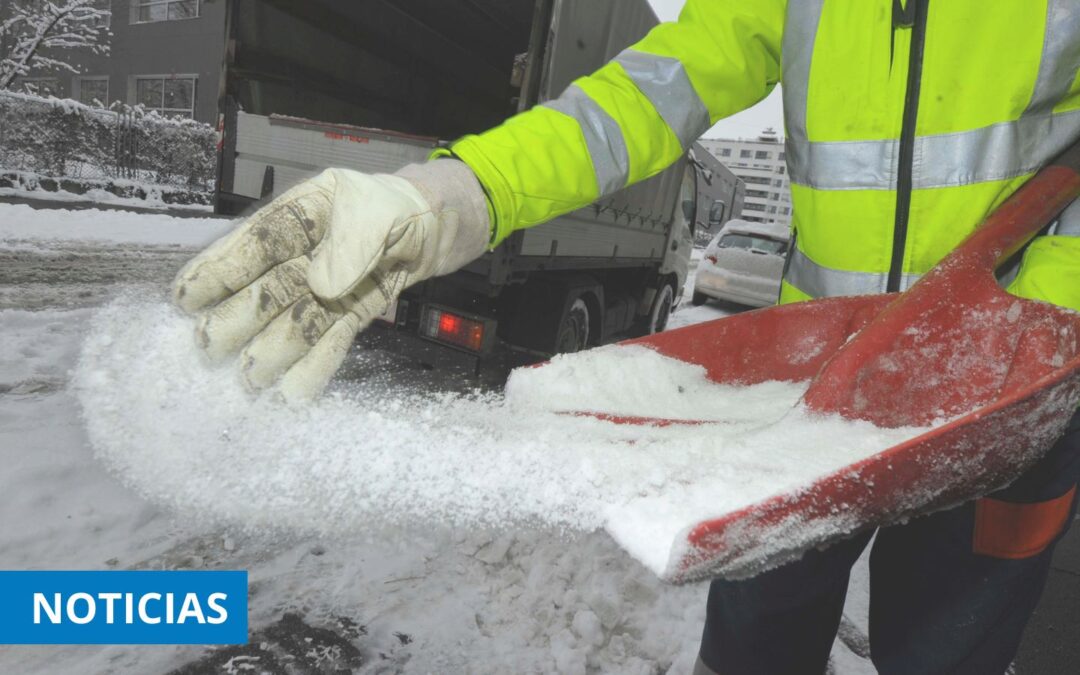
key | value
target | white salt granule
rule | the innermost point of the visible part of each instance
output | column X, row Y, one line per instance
column 188, row 435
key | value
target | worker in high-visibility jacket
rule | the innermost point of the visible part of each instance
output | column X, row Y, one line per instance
column 907, row 123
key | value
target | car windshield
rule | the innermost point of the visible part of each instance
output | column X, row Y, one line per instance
column 752, row 242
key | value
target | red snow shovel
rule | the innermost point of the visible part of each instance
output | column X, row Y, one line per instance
column 1004, row 370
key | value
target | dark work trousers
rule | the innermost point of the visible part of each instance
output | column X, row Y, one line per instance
column 949, row 593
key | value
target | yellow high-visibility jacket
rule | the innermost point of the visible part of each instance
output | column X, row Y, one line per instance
column 907, row 123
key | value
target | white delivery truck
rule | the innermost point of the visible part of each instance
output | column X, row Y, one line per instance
column 378, row 84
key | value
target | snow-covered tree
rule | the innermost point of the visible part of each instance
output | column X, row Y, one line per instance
column 43, row 35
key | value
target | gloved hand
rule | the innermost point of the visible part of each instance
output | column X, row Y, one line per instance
column 295, row 283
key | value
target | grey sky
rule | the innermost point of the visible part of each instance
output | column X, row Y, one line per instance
column 768, row 113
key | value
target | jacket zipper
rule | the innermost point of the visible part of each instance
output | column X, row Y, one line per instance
column 913, row 16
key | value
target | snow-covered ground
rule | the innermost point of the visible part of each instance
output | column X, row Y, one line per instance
column 427, row 599
column 22, row 224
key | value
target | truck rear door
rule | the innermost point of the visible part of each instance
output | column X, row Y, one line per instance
column 586, row 34
column 633, row 224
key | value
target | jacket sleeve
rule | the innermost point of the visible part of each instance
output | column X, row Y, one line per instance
column 1050, row 271
column 632, row 118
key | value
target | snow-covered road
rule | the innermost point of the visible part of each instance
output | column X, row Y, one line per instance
column 432, row 599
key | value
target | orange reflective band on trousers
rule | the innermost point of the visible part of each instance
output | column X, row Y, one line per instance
column 1016, row 531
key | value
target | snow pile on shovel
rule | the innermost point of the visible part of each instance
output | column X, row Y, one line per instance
column 187, row 435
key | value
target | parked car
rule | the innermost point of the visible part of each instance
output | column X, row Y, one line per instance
column 743, row 263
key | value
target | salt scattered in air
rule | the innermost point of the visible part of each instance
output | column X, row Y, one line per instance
column 187, row 435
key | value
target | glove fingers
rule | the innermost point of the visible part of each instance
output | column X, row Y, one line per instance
column 308, row 366
column 225, row 328
column 306, row 379
column 282, row 343
column 287, row 228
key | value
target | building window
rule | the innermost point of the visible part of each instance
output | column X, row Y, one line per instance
column 169, row 95
column 756, row 180
column 783, row 156
column 761, row 154
column 778, row 182
column 785, row 210
column 148, row 11
column 745, row 154
column 40, row 86
column 772, row 209
column 93, row 91
column 726, row 152
column 757, row 193
column 751, row 206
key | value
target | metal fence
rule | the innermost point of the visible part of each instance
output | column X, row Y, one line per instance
column 65, row 139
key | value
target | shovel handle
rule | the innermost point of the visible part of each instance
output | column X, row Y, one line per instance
column 926, row 334
column 1022, row 216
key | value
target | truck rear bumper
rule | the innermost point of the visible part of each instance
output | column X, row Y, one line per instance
column 402, row 342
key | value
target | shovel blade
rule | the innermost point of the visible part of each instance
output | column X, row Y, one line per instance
column 949, row 465
column 1020, row 412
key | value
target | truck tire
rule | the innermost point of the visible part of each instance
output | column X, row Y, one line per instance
column 574, row 330
column 699, row 299
column 661, row 309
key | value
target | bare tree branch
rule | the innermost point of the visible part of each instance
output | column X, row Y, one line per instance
column 42, row 34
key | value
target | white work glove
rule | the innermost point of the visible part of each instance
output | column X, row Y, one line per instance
column 293, row 284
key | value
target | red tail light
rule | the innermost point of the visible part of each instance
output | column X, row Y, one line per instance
column 711, row 258
column 443, row 326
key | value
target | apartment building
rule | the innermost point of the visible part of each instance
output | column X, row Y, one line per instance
column 164, row 54
column 760, row 162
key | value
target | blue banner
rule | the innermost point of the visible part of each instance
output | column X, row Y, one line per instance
column 121, row 607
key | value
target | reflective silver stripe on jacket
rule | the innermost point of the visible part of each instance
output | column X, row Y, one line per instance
column 800, row 26
column 997, row 152
column 1060, row 56
column 1057, row 69
column 1068, row 224
column 603, row 138
column 843, row 165
column 663, row 80
column 819, row 281
column 1069, row 228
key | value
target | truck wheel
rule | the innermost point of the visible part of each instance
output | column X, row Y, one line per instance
column 699, row 299
column 661, row 309
column 574, row 331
